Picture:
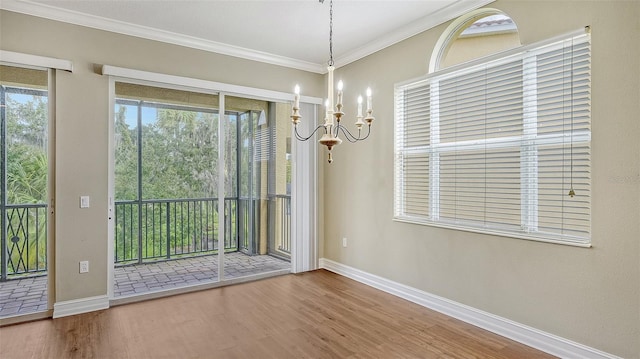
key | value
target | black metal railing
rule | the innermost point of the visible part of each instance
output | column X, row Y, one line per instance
column 147, row 230
column 280, row 226
column 248, row 224
column 250, row 217
column 172, row 228
column 25, row 241
column 283, row 218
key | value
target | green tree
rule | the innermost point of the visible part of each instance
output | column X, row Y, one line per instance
column 26, row 174
column 126, row 153
column 179, row 155
column 26, row 181
column 179, row 161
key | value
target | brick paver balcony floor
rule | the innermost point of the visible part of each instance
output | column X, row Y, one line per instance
column 29, row 295
column 151, row 277
column 23, row 296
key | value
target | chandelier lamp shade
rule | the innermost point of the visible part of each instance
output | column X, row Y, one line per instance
column 334, row 112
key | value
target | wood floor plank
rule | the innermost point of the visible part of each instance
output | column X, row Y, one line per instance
column 311, row 315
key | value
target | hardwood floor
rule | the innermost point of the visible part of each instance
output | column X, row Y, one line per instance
column 311, row 315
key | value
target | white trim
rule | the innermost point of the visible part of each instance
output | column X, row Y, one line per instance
column 304, row 196
column 51, row 189
column 79, row 306
column 524, row 334
column 567, row 241
column 452, row 11
column 502, row 55
column 41, row 62
column 125, row 28
column 190, row 84
column 452, row 32
column 111, row 190
column 222, row 118
column 418, row 26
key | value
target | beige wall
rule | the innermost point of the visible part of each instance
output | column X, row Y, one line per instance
column 469, row 48
column 591, row 295
column 82, row 123
column 587, row 295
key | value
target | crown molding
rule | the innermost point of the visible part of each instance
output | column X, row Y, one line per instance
column 120, row 27
column 72, row 17
column 425, row 23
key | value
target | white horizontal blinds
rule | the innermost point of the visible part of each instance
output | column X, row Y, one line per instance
column 564, row 120
column 413, row 152
column 496, row 146
column 480, row 130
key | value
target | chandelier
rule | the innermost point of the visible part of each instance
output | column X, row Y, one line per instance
column 332, row 129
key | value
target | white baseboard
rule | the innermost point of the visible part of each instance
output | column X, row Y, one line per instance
column 532, row 337
column 79, row 306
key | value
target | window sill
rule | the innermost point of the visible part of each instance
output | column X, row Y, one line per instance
column 493, row 232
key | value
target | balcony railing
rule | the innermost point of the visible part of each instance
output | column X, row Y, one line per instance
column 148, row 230
column 283, row 223
column 176, row 228
column 172, row 228
column 25, row 241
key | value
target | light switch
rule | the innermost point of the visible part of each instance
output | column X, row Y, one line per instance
column 84, row 201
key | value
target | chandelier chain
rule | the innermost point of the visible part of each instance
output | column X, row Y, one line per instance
column 330, row 32
column 330, row 62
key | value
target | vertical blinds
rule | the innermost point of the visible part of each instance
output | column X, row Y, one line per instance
column 496, row 146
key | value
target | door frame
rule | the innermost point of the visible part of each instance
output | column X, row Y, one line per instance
column 52, row 66
column 304, row 170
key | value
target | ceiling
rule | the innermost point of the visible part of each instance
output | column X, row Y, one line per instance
column 292, row 33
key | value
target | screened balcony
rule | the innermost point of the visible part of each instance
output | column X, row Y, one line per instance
column 169, row 145
column 150, row 262
column 167, row 225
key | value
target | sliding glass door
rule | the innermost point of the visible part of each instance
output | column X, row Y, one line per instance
column 171, row 222
column 24, row 172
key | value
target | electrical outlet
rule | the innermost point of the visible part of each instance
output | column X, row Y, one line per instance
column 84, row 266
column 344, row 241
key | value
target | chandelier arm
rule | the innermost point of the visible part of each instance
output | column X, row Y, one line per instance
column 368, row 133
column 349, row 136
column 302, row 138
column 353, row 139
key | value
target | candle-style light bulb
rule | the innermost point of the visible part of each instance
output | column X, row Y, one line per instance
column 296, row 97
column 360, row 106
column 340, row 85
column 368, row 99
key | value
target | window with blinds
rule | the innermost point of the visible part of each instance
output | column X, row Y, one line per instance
column 500, row 145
